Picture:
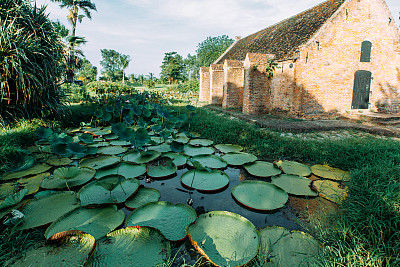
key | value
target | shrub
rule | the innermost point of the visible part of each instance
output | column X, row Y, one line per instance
column 75, row 93
column 107, row 87
column 189, row 85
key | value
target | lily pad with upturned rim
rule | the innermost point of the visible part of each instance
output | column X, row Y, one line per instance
column 201, row 142
column 210, row 161
column 204, row 180
column 194, row 151
column 138, row 157
column 163, row 148
column 328, row 172
column 25, row 162
column 133, row 246
column 262, row 169
column 330, row 190
column 169, row 219
column 33, row 183
column 35, row 169
column 228, row 148
column 99, row 162
column 162, row 170
column 260, row 195
column 292, row 167
column 96, row 222
column 56, row 181
column 238, row 159
column 178, row 159
column 13, row 199
column 294, row 185
column 128, row 170
column 112, row 150
column 59, row 161
column 224, row 238
column 142, row 197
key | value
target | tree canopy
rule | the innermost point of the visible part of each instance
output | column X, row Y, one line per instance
column 172, row 68
column 114, row 64
column 211, row 49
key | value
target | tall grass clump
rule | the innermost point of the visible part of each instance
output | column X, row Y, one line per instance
column 31, row 56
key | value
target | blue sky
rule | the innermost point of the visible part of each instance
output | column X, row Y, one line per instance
column 146, row 29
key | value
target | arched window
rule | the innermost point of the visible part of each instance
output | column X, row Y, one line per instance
column 366, row 51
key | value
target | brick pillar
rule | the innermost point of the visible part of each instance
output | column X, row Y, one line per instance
column 233, row 84
column 256, row 91
column 216, row 83
column 204, row 94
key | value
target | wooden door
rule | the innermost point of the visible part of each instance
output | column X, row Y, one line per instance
column 361, row 90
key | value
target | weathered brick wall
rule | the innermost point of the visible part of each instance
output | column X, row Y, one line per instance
column 216, row 83
column 204, row 93
column 325, row 70
column 233, row 84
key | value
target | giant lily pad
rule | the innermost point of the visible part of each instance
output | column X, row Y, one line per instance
column 204, row 180
column 33, row 183
column 120, row 143
column 161, row 169
column 68, row 177
column 331, row 190
column 71, row 251
column 294, row 184
column 7, row 189
column 99, row 162
column 262, row 169
column 13, row 199
column 238, row 159
column 292, row 167
column 288, row 248
column 25, row 162
column 328, row 172
column 141, row 157
column 163, row 148
column 210, row 161
column 132, row 247
column 224, row 238
column 35, row 169
column 169, row 219
column 99, row 143
column 46, row 209
column 260, row 195
column 125, row 169
column 178, row 159
column 59, row 161
column 194, row 150
column 110, row 189
column 201, row 142
column 97, row 222
column 142, row 197
column 112, row 150
column 229, row 148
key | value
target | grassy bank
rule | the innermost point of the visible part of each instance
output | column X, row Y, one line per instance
column 368, row 231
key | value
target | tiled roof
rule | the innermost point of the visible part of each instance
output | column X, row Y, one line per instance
column 283, row 38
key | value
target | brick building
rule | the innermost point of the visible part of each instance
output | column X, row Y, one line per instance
column 338, row 56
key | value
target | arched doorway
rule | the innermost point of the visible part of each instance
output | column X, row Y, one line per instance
column 361, row 90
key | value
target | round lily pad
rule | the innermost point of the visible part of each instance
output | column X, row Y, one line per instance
column 328, row 172
column 260, row 195
column 201, row 142
column 128, row 170
column 59, row 161
column 111, row 150
column 33, row 183
column 101, row 132
column 229, row 148
column 70, row 251
column 99, row 162
column 331, row 190
column 204, row 180
column 157, row 140
column 35, row 169
column 294, row 184
column 169, row 219
column 46, row 209
column 162, row 170
column 194, row 150
column 97, row 222
column 224, row 238
column 289, row 248
column 79, row 177
column 238, row 159
column 163, row 148
column 99, row 143
column 110, row 137
column 139, row 158
column 132, row 247
column 108, row 190
column 142, row 197
column 292, row 167
column 262, row 169
column 210, row 161
column 182, row 138
column 120, row 143
column 178, row 159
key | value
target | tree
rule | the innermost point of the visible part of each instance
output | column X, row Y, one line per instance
column 74, row 57
column 74, row 6
column 191, row 68
column 124, row 63
column 172, row 67
column 114, row 64
column 211, row 49
column 87, row 73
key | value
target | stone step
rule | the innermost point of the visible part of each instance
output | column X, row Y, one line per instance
column 389, row 123
column 378, row 117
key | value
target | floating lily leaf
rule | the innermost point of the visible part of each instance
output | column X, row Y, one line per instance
column 61, row 149
column 46, row 209
column 139, row 158
column 77, row 149
column 182, row 139
column 60, row 138
column 331, row 190
column 13, row 199
column 157, row 140
column 112, row 150
column 7, row 189
column 224, row 238
column 67, row 173
column 142, row 197
column 194, row 151
column 33, row 183
column 127, row 170
column 260, row 195
column 101, row 132
column 99, row 144
column 132, row 247
column 176, row 146
column 201, row 142
column 70, row 251
column 328, row 172
column 99, row 162
column 35, row 169
column 86, row 138
column 295, row 185
column 24, row 162
column 161, row 169
column 43, row 133
column 205, row 180
column 44, row 193
column 292, row 167
column 169, row 219
column 162, row 148
column 111, row 137
column 119, row 143
column 229, row 148
column 178, row 159
column 289, row 248
column 68, row 177
column 209, row 161
column 262, row 169
column 98, row 192
column 96, row 222
column 59, row 161
column 238, row 159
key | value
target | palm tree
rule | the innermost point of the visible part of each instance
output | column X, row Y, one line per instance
column 124, row 63
column 74, row 56
column 74, row 6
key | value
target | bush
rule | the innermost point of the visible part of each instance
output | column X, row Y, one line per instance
column 108, row 87
column 75, row 93
column 190, row 85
